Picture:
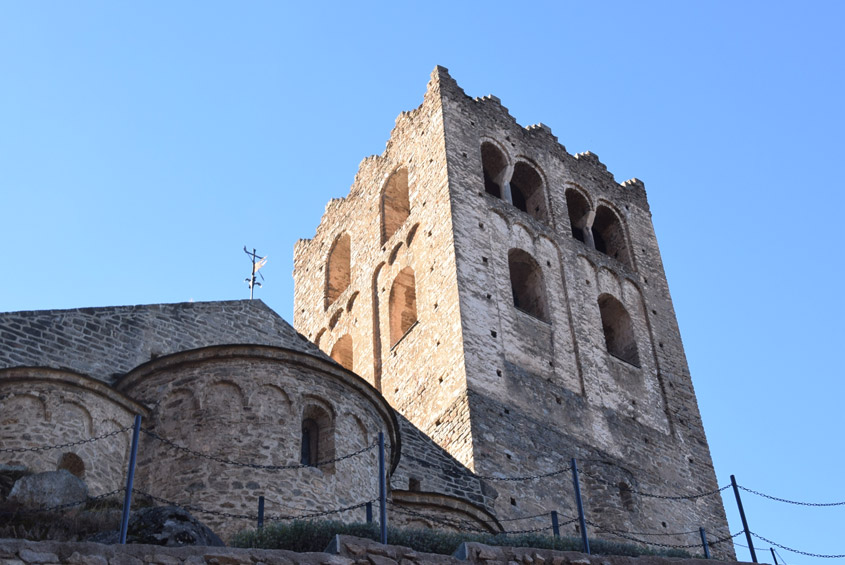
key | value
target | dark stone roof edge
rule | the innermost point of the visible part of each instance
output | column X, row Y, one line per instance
column 92, row 309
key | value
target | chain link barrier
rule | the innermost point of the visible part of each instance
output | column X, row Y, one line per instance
column 797, row 503
column 193, row 507
column 226, row 461
column 798, row 551
column 527, row 477
column 462, row 524
column 252, row 517
column 659, row 496
column 63, row 445
column 61, row 507
column 696, row 532
column 629, row 537
column 280, row 517
column 444, row 522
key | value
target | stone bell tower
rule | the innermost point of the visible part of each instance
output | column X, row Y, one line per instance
column 508, row 298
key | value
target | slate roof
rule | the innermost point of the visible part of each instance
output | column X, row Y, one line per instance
column 105, row 343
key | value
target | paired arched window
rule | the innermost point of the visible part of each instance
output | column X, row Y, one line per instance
column 618, row 330
column 529, row 291
column 523, row 188
column 317, row 445
column 608, row 235
column 338, row 269
column 602, row 230
column 402, row 305
column 493, row 164
column 342, row 352
column 395, row 204
column 578, row 209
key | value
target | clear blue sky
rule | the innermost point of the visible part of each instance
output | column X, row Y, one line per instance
column 143, row 145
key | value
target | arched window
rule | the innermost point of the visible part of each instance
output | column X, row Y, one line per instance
column 310, row 442
column 529, row 292
column 395, row 204
column 618, row 330
column 338, row 268
column 342, row 351
column 317, row 445
column 72, row 463
column 578, row 208
column 527, row 191
column 403, row 304
column 608, row 235
column 493, row 163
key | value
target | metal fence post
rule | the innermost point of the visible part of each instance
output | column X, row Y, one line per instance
column 704, row 543
column 369, row 512
column 555, row 526
column 382, row 488
column 774, row 558
column 260, row 512
column 744, row 521
column 581, row 518
column 130, row 480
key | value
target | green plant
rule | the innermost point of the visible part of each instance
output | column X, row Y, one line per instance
column 72, row 525
column 302, row 536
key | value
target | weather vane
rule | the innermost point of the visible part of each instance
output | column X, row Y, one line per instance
column 257, row 263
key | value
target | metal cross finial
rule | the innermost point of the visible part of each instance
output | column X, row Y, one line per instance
column 257, row 263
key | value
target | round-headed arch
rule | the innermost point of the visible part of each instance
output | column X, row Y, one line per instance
column 338, row 268
column 395, row 203
column 609, row 234
column 527, row 284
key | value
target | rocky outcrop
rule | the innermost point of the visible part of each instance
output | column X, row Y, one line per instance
column 48, row 490
column 170, row 526
column 9, row 474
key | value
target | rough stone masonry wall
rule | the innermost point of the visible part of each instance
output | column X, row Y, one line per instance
column 433, row 468
column 643, row 419
column 344, row 550
column 422, row 375
column 44, row 407
column 248, row 406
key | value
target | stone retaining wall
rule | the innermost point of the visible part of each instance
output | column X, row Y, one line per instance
column 344, row 550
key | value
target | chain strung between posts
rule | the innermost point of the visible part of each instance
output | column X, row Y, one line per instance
column 62, row 506
column 807, row 553
column 252, row 465
column 663, row 533
column 457, row 524
column 192, row 507
column 449, row 523
column 280, row 517
column 253, row 517
column 656, row 544
column 770, row 497
column 63, row 445
column 661, row 496
column 526, row 478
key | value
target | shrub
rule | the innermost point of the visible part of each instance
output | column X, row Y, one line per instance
column 72, row 525
column 303, row 536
